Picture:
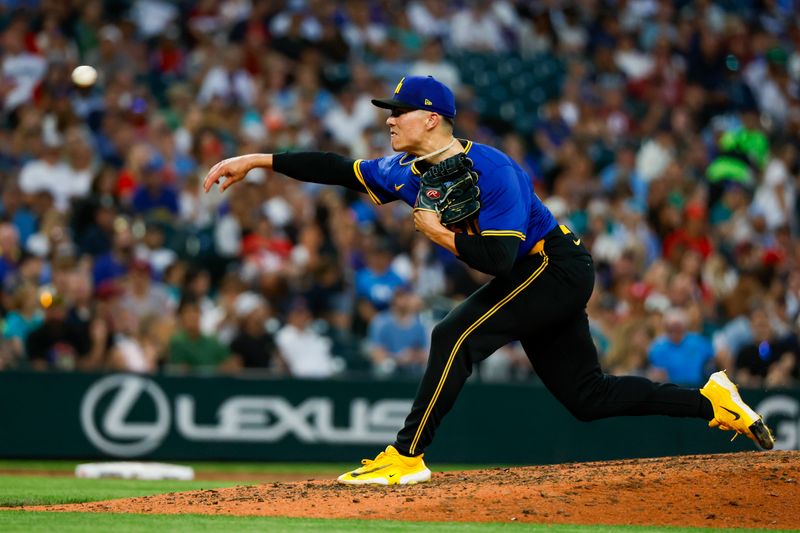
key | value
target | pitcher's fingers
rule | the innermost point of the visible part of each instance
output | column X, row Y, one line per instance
column 213, row 176
column 229, row 180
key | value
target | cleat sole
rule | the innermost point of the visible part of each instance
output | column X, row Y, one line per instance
column 762, row 435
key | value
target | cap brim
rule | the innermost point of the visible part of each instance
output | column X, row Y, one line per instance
column 390, row 103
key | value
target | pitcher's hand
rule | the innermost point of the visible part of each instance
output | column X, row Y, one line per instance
column 232, row 170
column 427, row 222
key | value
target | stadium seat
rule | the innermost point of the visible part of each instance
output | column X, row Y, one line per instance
column 509, row 88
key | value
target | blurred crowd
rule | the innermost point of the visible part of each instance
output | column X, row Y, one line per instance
column 671, row 149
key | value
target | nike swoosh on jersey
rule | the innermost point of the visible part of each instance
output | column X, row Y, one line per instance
column 576, row 241
column 398, row 187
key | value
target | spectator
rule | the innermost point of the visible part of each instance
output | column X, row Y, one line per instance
column 254, row 346
column 347, row 120
column 572, row 36
column 22, row 70
column 115, row 263
column 141, row 344
column 228, row 81
column 402, row 32
column 742, row 154
column 683, row 357
column 476, row 28
column 361, row 33
column 153, row 196
column 345, row 343
column 398, row 340
column 377, row 282
column 142, row 295
column 693, row 236
column 633, row 62
column 628, row 351
column 392, row 64
column 429, row 18
column 306, row 352
column 729, row 216
column 536, row 35
column 16, row 212
column 775, row 196
column 10, row 251
column 773, row 89
column 621, row 176
column 96, row 238
column 291, row 39
column 191, row 350
column 650, row 114
column 550, row 134
column 432, row 62
column 51, row 175
column 197, row 286
column 24, row 317
column 655, row 155
column 61, row 344
column 153, row 250
column 771, row 359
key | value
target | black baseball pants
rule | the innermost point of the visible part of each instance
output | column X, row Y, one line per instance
column 541, row 303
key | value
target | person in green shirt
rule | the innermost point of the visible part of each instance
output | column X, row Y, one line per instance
column 191, row 350
column 741, row 157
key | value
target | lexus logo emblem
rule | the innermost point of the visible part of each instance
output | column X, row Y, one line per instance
column 111, row 431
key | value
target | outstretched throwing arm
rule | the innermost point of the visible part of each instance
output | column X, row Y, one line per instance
column 234, row 169
column 315, row 167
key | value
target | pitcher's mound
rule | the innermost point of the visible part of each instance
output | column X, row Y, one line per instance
column 752, row 490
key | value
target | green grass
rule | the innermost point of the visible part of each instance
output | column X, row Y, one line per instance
column 21, row 521
column 233, row 467
column 29, row 490
column 42, row 490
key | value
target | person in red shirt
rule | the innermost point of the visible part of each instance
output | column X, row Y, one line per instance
column 693, row 235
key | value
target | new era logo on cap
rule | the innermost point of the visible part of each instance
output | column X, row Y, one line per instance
column 421, row 92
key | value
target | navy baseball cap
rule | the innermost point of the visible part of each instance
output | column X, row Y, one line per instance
column 421, row 92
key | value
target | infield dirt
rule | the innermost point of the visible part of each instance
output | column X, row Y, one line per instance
column 750, row 490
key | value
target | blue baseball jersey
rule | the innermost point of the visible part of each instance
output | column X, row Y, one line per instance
column 508, row 204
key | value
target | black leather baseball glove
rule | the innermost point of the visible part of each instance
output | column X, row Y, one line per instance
column 450, row 189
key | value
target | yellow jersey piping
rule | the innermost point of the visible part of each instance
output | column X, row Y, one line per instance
column 503, row 233
column 360, row 177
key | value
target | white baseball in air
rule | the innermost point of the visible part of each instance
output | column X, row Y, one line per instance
column 84, row 76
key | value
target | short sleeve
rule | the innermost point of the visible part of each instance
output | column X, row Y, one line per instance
column 656, row 354
column 776, row 174
column 375, row 332
column 178, row 354
column 502, row 213
column 708, row 349
column 375, row 175
column 221, row 353
column 420, row 336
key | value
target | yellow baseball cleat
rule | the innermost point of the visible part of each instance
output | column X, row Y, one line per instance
column 388, row 468
column 731, row 413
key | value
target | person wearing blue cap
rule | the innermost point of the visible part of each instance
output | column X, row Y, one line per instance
column 543, row 279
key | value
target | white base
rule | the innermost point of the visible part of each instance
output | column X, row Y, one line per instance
column 131, row 470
